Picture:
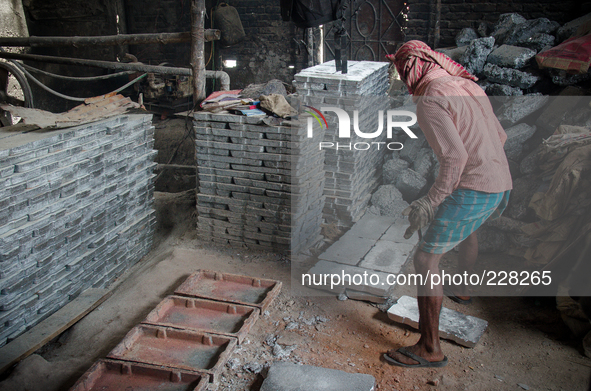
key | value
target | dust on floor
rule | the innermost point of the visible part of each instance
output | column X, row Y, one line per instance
column 525, row 346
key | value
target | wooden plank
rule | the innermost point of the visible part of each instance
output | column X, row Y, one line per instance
column 20, row 128
column 51, row 327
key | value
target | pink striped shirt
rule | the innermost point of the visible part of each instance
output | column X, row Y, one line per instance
column 457, row 119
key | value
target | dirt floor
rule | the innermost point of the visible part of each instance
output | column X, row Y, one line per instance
column 526, row 345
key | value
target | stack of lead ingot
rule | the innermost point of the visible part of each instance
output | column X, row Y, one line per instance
column 76, row 211
column 352, row 164
column 259, row 185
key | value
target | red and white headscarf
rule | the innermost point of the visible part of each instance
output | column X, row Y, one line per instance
column 415, row 58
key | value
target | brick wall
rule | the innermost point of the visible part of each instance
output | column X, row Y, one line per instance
column 159, row 16
column 267, row 52
column 270, row 46
column 458, row 14
column 69, row 18
column 75, row 212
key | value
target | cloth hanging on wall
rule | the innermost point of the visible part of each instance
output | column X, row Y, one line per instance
column 310, row 13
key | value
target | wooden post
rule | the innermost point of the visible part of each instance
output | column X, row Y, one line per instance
column 310, row 46
column 197, row 49
column 437, row 33
column 431, row 28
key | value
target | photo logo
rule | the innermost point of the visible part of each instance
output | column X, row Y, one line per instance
column 393, row 120
column 313, row 114
column 345, row 122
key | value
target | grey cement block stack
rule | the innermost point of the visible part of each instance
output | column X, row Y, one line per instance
column 259, row 185
column 351, row 174
column 76, row 212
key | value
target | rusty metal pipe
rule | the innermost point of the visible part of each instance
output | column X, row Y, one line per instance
column 220, row 76
column 223, row 77
column 107, row 40
column 99, row 64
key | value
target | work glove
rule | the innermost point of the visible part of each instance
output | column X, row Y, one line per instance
column 420, row 213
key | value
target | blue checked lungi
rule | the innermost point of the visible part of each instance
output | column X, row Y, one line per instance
column 460, row 214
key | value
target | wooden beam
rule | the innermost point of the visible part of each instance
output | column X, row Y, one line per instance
column 197, row 50
column 29, row 342
column 107, row 40
column 437, row 33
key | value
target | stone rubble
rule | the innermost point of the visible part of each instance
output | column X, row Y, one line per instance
column 508, row 76
column 506, row 23
column 516, row 136
column 392, row 169
column 539, row 42
column 496, row 89
column 410, row 183
column 466, row 36
column 454, row 53
column 571, row 27
column 475, row 55
column 523, row 31
column 511, row 56
column 388, row 200
column 516, row 41
column 515, row 109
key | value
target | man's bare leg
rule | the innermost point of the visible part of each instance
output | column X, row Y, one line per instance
column 429, row 301
column 468, row 252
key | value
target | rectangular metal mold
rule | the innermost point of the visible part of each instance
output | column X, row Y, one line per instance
column 232, row 288
column 114, row 375
column 205, row 316
column 169, row 347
